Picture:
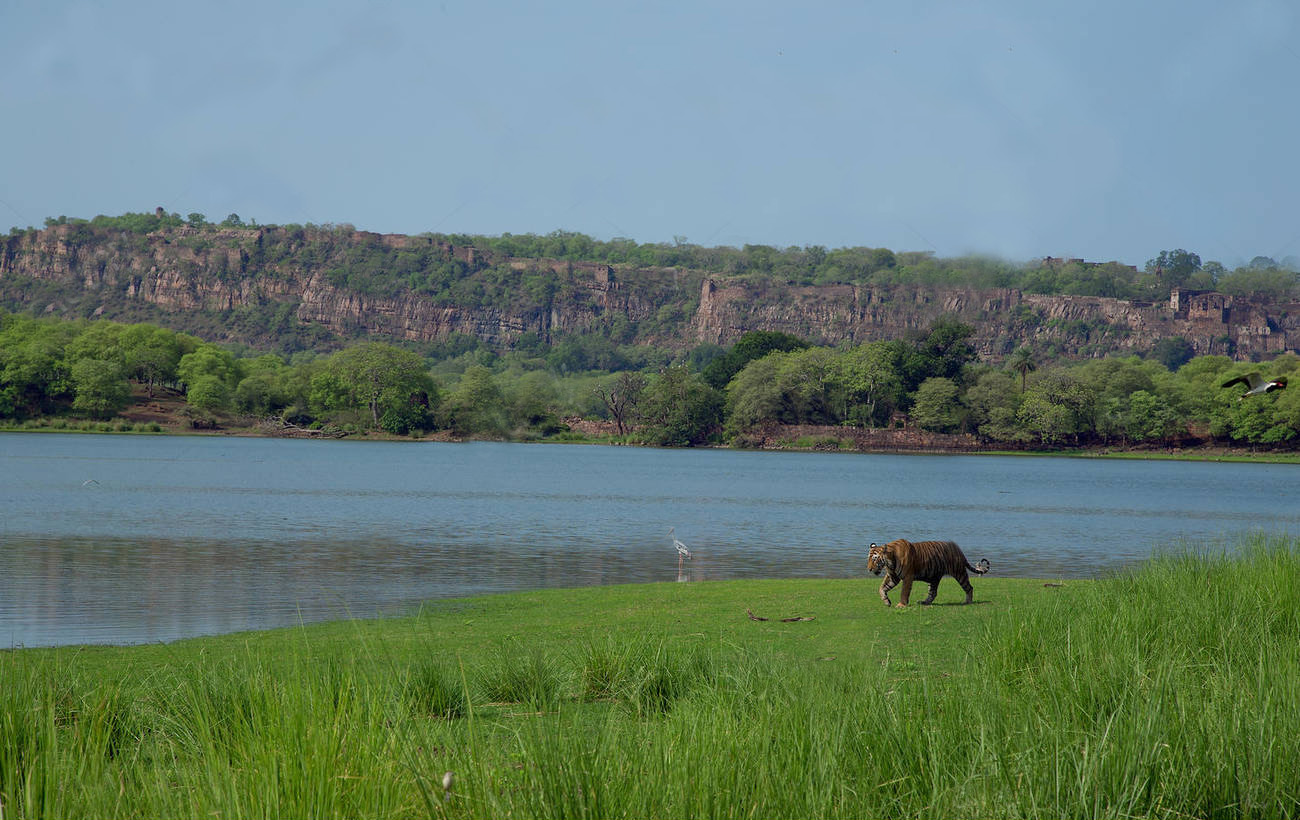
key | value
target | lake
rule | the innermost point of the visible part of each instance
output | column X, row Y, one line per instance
column 130, row 539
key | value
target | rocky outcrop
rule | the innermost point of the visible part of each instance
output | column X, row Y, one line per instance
column 181, row 273
column 1079, row 326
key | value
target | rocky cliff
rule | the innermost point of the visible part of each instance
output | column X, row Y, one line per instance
column 258, row 283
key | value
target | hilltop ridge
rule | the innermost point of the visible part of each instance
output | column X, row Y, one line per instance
column 300, row 287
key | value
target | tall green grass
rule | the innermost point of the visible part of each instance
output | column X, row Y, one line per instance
column 1172, row 691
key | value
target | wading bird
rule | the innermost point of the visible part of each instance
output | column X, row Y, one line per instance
column 1257, row 384
column 682, row 552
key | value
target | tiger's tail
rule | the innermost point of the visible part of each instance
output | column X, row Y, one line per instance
column 979, row 568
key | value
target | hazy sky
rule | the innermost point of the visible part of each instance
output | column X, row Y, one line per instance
column 1107, row 130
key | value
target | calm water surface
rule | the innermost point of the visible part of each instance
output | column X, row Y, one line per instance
column 127, row 539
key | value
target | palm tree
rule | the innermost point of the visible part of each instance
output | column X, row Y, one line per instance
column 1022, row 361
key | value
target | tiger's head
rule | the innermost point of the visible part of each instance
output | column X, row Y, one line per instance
column 878, row 559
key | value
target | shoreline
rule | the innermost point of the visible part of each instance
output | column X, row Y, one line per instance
column 165, row 414
column 842, row 440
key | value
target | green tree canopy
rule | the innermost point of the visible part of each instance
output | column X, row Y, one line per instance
column 872, row 382
column 99, row 340
column 208, row 392
column 476, row 405
column 101, row 386
column 1173, row 268
column 34, row 374
column 680, row 409
column 944, row 350
column 1173, row 352
column 753, row 345
column 1023, row 362
column 376, row 377
column 1149, row 417
column 938, row 406
column 151, row 354
column 207, row 360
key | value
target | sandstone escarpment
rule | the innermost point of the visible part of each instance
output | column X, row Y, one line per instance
column 326, row 278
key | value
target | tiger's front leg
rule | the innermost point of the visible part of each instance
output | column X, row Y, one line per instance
column 885, row 587
column 906, row 593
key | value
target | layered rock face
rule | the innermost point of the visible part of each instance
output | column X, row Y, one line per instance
column 1077, row 326
column 181, row 272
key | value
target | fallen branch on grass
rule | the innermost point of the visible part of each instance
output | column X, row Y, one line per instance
column 754, row 617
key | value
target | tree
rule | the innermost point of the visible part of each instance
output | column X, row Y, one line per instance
column 756, row 396
column 680, row 409
column 1173, row 352
column 621, row 397
column 476, row 405
column 800, row 387
column 34, row 375
column 1059, row 405
column 1285, row 415
column 100, row 340
column 702, row 355
column 753, row 345
column 1214, row 271
column 943, row 351
column 1149, row 417
column 208, row 392
column 993, row 403
column 533, row 401
column 1194, row 390
column 1050, row 422
column 1264, row 282
column 207, row 360
column 938, row 406
column 810, row 378
column 871, row 381
column 1022, row 362
column 101, row 387
column 1172, row 268
column 263, row 392
column 152, row 354
column 377, row 377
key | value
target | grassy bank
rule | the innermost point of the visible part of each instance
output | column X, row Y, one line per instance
column 1170, row 691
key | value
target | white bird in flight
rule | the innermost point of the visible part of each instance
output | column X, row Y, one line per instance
column 682, row 552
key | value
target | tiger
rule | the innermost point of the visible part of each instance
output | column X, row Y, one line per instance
column 905, row 561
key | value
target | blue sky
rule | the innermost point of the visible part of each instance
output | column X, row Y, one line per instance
column 1107, row 130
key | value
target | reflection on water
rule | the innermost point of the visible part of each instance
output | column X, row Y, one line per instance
column 128, row 539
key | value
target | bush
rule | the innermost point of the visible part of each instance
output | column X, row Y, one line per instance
column 519, row 676
column 434, row 689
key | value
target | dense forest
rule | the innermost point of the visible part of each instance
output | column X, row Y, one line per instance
column 82, row 374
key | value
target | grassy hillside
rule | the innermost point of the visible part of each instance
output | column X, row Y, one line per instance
column 1172, row 691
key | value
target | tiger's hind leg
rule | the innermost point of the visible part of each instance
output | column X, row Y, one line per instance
column 964, row 580
column 934, row 590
